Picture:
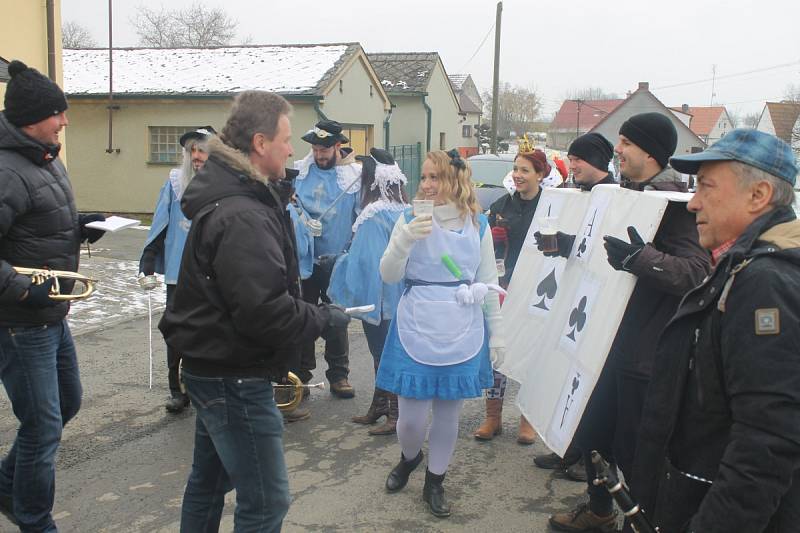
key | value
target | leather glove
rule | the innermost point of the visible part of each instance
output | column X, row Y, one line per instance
column 497, row 356
column 325, row 262
column 622, row 254
column 147, row 264
column 564, row 240
column 337, row 319
column 38, row 296
column 419, row 228
column 90, row 234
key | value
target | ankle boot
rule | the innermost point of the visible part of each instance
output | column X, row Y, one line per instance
column 526, row 435
column 493, row 423
column 433, row 494
column 377, row 409
column 390, row 426
column 398, row 477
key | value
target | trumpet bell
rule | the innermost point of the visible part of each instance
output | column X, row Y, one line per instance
column 289, row 395
column 41, row 275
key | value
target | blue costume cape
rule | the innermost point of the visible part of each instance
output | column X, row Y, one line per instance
column 303, row 241
column 168, row 215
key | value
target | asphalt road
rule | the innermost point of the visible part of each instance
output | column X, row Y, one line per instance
column 124, row 461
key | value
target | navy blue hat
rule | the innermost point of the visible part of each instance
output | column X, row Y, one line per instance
column 326, row 133
column 201, row 134
column 748, row 146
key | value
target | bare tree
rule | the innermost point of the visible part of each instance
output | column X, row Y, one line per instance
column 73, row 35
column 792, row 93
column 197, row 26
column 518, row 109
column 591, row 93
column 750, row 120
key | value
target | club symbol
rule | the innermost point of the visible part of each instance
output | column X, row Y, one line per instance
column 547, row 290
column 577, row 318
column 576, row 381
column 586, row 236
column 581, row 248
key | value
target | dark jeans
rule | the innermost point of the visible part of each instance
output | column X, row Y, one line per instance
column 337, row 348
column 173, row 357
column 238, row 444
column 39, row 370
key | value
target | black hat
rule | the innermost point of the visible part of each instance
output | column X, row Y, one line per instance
column 31, row 96
column 654, row 133
column 594, row 149
column 325, row 133
column 201, row 134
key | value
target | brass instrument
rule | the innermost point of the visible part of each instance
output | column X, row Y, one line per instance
column 41, row 275
column 295, row 390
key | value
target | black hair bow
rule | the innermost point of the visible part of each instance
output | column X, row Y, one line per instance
column 455, row 159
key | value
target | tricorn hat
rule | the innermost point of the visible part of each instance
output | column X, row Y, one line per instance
column 201, row 134
column 325, row 133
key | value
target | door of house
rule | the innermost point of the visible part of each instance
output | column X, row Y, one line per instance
column 360, row 138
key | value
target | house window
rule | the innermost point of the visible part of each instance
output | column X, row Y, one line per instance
column 442, row 143
column 466, row 131
column 164, row 143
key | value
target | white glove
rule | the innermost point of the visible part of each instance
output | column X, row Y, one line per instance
column 464, row 295
column 497, row 356
column 419, row 228
column 479, row 292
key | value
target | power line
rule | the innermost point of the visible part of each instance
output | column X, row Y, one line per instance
column 754, row 71
column 478, row 49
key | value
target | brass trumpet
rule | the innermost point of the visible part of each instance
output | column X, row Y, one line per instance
column 296, row 388
column 41, row 275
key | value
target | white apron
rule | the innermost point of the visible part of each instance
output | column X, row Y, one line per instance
column 432, row 327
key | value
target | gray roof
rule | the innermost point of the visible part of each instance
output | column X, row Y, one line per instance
column 457, row 80
column 404, row 73
column 3, row 70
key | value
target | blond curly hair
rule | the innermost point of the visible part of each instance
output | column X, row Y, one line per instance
column 455, row 184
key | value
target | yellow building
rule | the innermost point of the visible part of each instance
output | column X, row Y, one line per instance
column 120, row 164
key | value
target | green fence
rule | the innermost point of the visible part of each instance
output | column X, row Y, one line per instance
column 409, row 158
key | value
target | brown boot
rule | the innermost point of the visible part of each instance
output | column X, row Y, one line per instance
column 377, row 409
column 526, row 435
column 390, row 426
column 492, row 424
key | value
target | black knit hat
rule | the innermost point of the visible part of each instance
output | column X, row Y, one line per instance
column 654, row 133
column 30, row 96
column 594, row 149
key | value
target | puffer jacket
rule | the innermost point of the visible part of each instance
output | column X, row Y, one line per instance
column 38, row 223
column 665, row 270
column 237, row 310
column 724, row 401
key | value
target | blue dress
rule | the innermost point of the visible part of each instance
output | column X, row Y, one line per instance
column 406, row 377
column 356, row 278
column 168, row 215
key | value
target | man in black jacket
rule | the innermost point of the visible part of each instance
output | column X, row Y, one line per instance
column 719, row 445
column 39, row 228
column 665, row 269
column 237, row 317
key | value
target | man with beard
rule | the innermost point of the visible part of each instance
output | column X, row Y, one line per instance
column 39, row 228
column 666, row 269
column 164, row 245
column 237, row 315
column 328, row 187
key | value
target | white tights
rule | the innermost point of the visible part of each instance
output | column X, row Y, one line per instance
column 412, row 424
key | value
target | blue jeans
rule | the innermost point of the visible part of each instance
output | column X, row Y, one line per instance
column 238, row 444
column 39, row 370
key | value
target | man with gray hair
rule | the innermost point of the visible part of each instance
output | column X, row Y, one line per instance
column 238, row 316
column 719, row 444
column 164, row 245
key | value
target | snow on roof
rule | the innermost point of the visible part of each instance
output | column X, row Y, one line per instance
column 457, row 80
column 285, row 69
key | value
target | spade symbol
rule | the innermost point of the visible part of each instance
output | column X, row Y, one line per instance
column 581, row 248
column 577, row 318
column 547, row 290
column 576, row 381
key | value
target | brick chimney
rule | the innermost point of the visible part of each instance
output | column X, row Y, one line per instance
column 685, row 108
column 644, row 86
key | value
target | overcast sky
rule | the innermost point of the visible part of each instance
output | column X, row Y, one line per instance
column 552, row 46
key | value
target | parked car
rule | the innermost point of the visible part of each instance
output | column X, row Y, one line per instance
column 488, row 171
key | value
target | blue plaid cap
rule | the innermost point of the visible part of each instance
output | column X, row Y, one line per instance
column 751, row 147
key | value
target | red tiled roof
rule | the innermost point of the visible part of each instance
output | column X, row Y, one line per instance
column 783, row 115
column 703, row 118
column 592, row 112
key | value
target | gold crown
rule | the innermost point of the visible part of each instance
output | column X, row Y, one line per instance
column 525, row 145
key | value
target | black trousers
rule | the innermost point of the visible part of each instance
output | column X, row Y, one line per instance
column 376, row 337
column 173, row 357
column 337, row 347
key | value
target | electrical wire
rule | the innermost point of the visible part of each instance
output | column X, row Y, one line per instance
column 478, row 49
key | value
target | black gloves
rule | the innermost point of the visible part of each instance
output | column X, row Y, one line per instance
column 565, row 242
column 147, row 264
column 337, row 319
column 325, row 262
column 39, row 296
column 93, row 235
column 620, row 253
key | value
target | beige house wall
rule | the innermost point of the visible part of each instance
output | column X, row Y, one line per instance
column 445, row 117
column 409, row 121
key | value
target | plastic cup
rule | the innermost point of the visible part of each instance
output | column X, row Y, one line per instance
column 314, row 227
column 548, row 230
column 501, row 268
column 423, row 207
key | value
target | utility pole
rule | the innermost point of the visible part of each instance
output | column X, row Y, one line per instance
column 496, row 86
column 579, row 103
column 713, row 82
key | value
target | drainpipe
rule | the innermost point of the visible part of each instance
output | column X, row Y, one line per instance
column 320, row 114
column 429, row 113
column 51, row 39
column 386, row 126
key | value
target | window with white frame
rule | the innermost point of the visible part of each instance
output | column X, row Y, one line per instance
column 164, row 143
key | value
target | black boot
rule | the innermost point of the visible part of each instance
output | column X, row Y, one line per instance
column 433, row 494
column 398, row 477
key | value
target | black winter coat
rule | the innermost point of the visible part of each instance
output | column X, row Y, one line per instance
column 516, row 215
column 237, row 310
column 38, row 223
column 666, row 269
column 724, row 400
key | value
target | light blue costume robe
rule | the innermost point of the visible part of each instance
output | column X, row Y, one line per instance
column 168, row 215
column 303, row 242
